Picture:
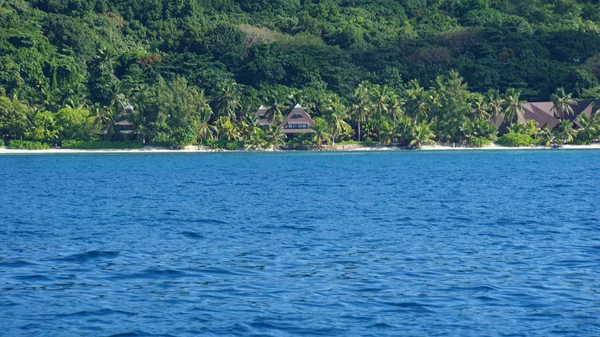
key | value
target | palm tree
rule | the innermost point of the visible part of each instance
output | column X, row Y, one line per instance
column 97, row 111
column 495, row 104
column 247, row 125
column 228, row 101
column 396, row 109
column 386, row 132
column 337, row 111
column 532, row 128
column 380, row 96
column 226, row 129
column 301, row 141
column 206, row 131
column 104, row 119
column 370, row 128
column 514, row 106
column 296, row 97
column 76, row 97
column 480, row 106
column 567, row 132
column 547, row 136
column 587, row 129
column 593, row 126
column 274, row 110
column 256, row 141
column 403, row 129
column 119, row 102
column 362, row 105
column 205, row 112
column 274, row 136
column 517, row 128
column 338, row 126
column 421, row 135
column 418, row 101
column 320, row 132
column 562, row 104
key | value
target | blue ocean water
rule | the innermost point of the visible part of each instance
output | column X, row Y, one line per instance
column 330, row 244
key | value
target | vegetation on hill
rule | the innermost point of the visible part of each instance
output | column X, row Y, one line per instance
column 389, row 71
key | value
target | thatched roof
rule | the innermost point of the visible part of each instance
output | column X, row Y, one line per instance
column 297, row 121
column 261, row 116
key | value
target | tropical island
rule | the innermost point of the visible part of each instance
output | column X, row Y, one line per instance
column 252, row 75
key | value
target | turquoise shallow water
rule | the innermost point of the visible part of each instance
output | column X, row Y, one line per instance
column 369, row 244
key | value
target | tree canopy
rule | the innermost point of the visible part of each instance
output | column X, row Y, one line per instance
column 233, row 55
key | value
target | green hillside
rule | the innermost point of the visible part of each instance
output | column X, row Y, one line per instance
column 190, row 67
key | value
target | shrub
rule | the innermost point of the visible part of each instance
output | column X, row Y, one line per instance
column 479, row 142
column 27, row 145
column 515, row 139
column 235, row 145
column 225, row 144
column 97, row 145
column 212, row 143
column 369, row 143
column 162, row 139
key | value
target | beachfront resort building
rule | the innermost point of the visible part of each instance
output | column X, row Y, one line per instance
column 546, row 115
column 297, row 121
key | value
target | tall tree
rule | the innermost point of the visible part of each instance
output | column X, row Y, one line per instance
column 321, row 132
column 228, row 99
column 495, row 103
column 274, row 136
column 480, row 106
column 452, row 106
column 563, row 104
column 513, row 108
column 418, row 101
column 361, row 107
column 567, row 132
column 337, row 114
column 227, row 129
column 13, row 119
column 274, row 111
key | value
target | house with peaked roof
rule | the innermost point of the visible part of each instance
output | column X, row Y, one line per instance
column 261, row 115
column 545, row 115
column 122, row 124
column 297, row 121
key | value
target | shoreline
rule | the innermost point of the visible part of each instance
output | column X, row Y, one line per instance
column 495, row 147
column 340, row 148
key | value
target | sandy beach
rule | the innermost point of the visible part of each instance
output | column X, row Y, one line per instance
column 192, row 149
column 145, row 149
column 498, row 147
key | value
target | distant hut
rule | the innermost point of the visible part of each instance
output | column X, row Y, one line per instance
column 261, row 115
column 121, row 125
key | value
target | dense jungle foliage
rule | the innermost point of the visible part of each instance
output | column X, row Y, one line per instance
column 389, row 71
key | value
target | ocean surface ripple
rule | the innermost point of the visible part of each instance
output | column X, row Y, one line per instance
column 310, row 244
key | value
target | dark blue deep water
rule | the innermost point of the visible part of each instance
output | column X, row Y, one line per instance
column 331, row 244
